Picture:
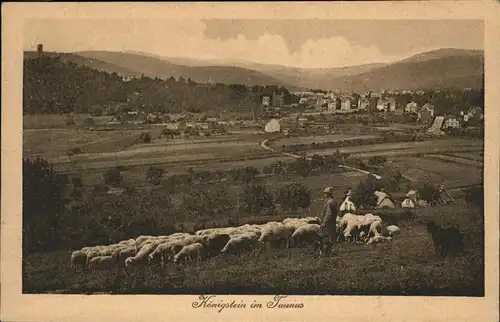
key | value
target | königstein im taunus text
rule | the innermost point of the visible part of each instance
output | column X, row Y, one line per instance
column 210, row 302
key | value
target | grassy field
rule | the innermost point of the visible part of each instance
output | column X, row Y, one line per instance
column 437, row 171
column 319, row 139
column 406, row 266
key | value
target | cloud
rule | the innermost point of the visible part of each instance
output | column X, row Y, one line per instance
column 186, row 38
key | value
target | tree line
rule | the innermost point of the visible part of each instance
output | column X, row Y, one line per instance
column 53, row 85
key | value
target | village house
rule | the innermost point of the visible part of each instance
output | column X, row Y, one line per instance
column 426, row 113
column 411, row 107
column 451, row 121
column 345, row 104
column 278, row 100
column 363, row 103
column 386, row 104
column 265, row 101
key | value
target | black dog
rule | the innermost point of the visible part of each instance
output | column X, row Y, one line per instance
column 447, row 241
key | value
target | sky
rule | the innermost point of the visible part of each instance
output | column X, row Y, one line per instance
column 306, row 43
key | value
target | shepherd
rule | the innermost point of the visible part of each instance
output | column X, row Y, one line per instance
column 328, row 214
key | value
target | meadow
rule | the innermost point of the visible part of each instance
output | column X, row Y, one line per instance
column 405, row 266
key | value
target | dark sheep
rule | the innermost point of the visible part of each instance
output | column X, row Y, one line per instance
column 447, row 241
column 215, row 243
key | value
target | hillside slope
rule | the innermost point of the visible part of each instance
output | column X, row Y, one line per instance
column 418, row 73
column 155, row 67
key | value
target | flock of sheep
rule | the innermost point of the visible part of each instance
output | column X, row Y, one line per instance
column 291, row 232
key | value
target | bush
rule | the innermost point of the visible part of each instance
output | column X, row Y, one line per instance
column 43, row 204
column 474, row 196
column 89, row 122
column 428, row 191
column 364, row 193
column 293, row 196
column 74, row 151
column 145, row 137
column 113, row 177
column 206, row 201
column 154, row 175
column 257, row 200
column 377, row 160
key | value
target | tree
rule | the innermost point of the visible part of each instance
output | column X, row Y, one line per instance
column 89, row 122
column 257, row 200
column 113, row 177
column 154, row 175
column 474, row 196
column 293, row 196
column 377, row 160
column 364, row 192
column 145, row 137
column 43, row 203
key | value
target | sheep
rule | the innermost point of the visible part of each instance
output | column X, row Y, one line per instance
column 124, row 253
column 166, row 250
column 378, row 239
column 351, row 231
column 447, row 241
column 103, row 262
column 392, row 230
column 375, row 229
column 238, row 244
column 276, row 233
column 141, row 239
column 78, row 260
column 306, row 233
column 187, row 252
column 141, row 257
column 214, row 244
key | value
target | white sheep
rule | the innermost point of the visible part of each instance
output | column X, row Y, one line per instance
column 276, row 233
column 237, row 244
column 103, row 262
column 187, row 252
column 378, row 239
column 166, row 251
column 306, row 233
column 375, row 229
column 78, row 260
column 393, row 230
column 141, row 258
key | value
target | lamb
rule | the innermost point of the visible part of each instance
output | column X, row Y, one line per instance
column 306, row 233
column 447, row 241
column 238, row 244
column 276, row 233
column 78, row 260
column 187, row 252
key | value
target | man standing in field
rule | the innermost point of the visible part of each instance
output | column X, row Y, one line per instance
column 328, row 231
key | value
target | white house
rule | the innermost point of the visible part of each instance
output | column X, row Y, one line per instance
column 411, row 107
column 345, row 104
column 272, row 126
column 265, row 101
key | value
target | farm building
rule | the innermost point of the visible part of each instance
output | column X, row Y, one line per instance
column 426, row 113
column 265, row 101
column 451, row 122
column 363, row 103
column 383, row 200
column 386, row 104
column 345, row 104
column 272, row 126
column 411, row 107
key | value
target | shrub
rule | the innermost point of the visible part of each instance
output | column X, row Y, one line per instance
column 364, row 192
column 377, row 160
column 293, row 196
column 43, row 205
column 145, row 137
column 474, row 196
column 154, row 175
column 74, row 151
column 89, row 122
column 257, row 200
column 113, row 177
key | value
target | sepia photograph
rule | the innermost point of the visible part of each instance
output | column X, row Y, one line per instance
column 340, row 157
